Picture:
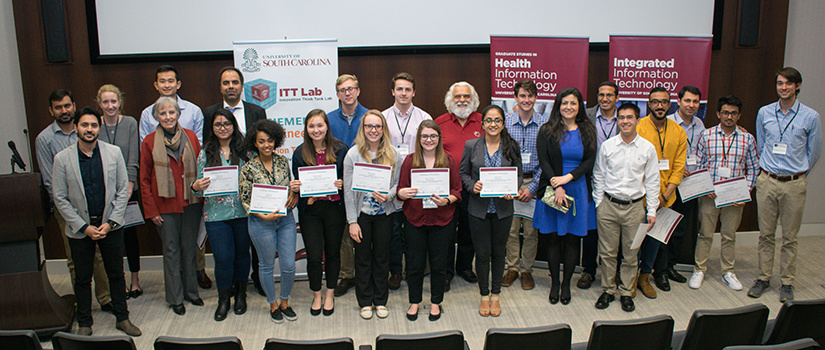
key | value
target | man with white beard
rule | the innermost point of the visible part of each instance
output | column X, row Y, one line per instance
column 460, row 124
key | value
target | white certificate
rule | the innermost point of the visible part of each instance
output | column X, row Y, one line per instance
column 268, row 198
column 524, row 210
column 639, row 238
column 666, row 221
column 731, row 190
column 696, row 185
column 430, row 182
column 497, row 182
column 223, row 180
column 133, row 216
column 318, row 181
column 368, row 177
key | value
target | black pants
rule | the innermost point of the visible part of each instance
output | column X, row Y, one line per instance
column 321, row 226
column 566, row 246
column 590, row 252
column 464, row 258
column 669, row 253
column 111, row 250
column 131, row 243
column 422, row 242
column 490, row 241
column 372, row 259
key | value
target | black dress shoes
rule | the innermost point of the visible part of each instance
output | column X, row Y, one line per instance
column 662, row 282
column 627, row 303
column 604, row 300
column 179, row 309
column 196, row 301
column 435, row 317
column 675, row 276
column 447, row 285
column 343, row 286
column 469, row 276
column 565, row 296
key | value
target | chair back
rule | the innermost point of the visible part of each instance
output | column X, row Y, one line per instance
column 325, row 344
column 219, row 343
column 652, row 333
column 716, row 329
column 799, row 344
column 535, row 338
column 799, row 319
column 68, row 341
column 446, row 340
column 19, row 339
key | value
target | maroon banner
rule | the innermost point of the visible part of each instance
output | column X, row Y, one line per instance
column 640, row 63
column 552, row 63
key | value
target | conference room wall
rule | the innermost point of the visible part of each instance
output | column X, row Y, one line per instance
column 746, row 72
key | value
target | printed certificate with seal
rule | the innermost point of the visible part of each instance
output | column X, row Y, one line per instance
column 430, row 182
column 497, row 182
column 268, row 198
column 368, row 177
column 318, row 181
column 223, row 180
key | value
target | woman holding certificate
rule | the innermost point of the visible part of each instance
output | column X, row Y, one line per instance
column 218, row 167
column 321, row 216
column 271, row 225
column 490, row 217
column 368, row 209
column 429, row 185
column 168, row 164
column 566, row 147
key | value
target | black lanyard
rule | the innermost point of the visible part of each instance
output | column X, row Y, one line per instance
column 111, row 141
column 692, row 135
column 403, row 132
column 732, row 139
column 781, row 130
column 612, row 128
column 661, row 144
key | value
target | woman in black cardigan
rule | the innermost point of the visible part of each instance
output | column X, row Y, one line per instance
column 322, row 219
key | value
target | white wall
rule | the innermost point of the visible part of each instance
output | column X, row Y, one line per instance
column 805, row 52
column 13, row 112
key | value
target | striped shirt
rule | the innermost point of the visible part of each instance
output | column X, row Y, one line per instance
column 526, row 136
column 737, row 152
column 799, row 129
column 693, row 131
column 492, row 161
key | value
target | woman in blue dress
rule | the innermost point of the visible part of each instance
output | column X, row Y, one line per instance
column 566, row 147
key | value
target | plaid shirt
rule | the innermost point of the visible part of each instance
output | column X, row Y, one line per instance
column 737, row 152
column 526, row 136
column 492, row 161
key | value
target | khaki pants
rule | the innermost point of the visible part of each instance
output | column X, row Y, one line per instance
column 100, row 278
column 617, row 226
column 709, row 214
column 347, row 255
column 783, row 201
column 525, row 251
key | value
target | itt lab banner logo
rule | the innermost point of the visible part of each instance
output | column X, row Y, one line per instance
column 261, row 92
column 250, row 61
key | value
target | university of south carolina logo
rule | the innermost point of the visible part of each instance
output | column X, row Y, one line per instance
column 261, row 92
column 250, row 61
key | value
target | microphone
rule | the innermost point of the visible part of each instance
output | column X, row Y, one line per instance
column 15, row 157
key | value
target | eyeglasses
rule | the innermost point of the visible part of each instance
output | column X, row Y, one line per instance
column 491, row 121
column 373, row 127
column 729, row 113
column 658, row 102
column 224, row 125
column 429, row 137
column 348, row 89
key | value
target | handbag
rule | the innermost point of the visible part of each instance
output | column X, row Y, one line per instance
column 549, row 198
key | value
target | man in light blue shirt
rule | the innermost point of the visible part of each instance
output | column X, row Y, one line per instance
column 167, row 84
column 789, row 142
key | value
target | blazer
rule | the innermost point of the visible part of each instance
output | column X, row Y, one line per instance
column 471, row 160
column 550, row 161
column 298, row 161
column 353, row 199
column 252, row 113
column 591, row 113
column 70, row 197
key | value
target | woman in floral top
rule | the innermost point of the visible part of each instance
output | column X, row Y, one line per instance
column 224, row 215
column 270, row 233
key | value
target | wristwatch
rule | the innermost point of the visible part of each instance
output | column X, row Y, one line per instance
column 113, row 225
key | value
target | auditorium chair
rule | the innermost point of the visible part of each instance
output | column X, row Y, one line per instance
column 535, row 338
column 716, row 329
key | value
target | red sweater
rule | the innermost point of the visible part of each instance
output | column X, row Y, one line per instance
column 154, row 205
column 414, row 209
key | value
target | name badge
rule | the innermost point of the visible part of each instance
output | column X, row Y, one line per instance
column 664, row 164
column 691, row 160
column 780, row 148
column 724, row 172
column 428, row 203
column 403, row 150
column 525, row 158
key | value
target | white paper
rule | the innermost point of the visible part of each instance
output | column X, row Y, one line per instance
column 133, row 215
column 497, row 182
column 318, row 180
column 641, row 233
column 666, row 221
column 268, row 198
column 368, row 177
column 430, row 182
column 524, row 209
column 731, row 190
column 696, row 185
column 223, row 180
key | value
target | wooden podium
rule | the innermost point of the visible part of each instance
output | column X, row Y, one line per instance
column 27, row 299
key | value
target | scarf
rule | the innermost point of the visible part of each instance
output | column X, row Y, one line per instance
column 163, row 168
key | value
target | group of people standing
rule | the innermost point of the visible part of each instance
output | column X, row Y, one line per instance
column 599, row 164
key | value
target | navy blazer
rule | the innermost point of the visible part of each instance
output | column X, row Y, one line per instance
column 298, row 161
column 550, row 161
column 471, row 160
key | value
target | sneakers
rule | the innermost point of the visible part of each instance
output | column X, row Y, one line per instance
column 276, row 316
column 731, row 280
column 527, row 282
column 381, row 311
column 289, row 314
column 759, row 287
column 785, row 293
column 366, row 312
column 509, row 278
column 697, row 278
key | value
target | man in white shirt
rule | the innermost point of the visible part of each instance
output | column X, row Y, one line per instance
column 618, row 189
column 168, row 84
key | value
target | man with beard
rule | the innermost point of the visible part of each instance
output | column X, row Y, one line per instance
column 91, row 189
column 460, row 124
column 523, row 126
column 53, row 139
column 670, row 142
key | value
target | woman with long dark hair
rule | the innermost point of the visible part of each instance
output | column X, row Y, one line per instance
column 224, row 216
column 566, row 148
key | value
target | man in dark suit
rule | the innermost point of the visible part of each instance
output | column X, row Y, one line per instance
column 231, row 89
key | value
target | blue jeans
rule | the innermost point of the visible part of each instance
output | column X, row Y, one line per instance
column 230, row 247
column 274, row 239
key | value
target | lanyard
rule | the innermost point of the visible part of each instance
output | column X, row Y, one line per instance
column 612, row 128
column 108, row 138
column 781, row 130
column 732, row 139
column 661, row 144
column 398, row 123
column 692, row 135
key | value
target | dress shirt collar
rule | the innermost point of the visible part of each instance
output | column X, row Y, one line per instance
column 239, row 106
column 517, row 119
column 56, row 129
